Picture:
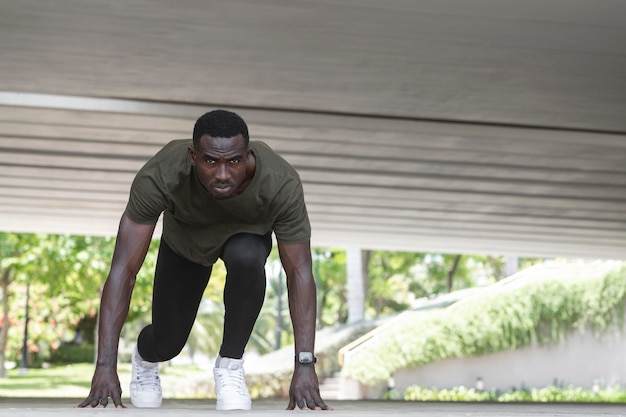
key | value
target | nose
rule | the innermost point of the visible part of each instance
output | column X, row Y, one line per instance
column 222, row 174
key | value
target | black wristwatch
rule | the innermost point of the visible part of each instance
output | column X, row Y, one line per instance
column 306, row 358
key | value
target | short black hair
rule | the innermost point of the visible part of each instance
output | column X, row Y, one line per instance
column 220, row 124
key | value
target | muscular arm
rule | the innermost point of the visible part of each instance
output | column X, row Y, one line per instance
column 131, row 246
column 296, row 260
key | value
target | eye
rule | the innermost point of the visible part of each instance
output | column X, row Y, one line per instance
column 209, row 160
column 235, row 161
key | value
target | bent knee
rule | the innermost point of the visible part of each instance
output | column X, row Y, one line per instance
column 167, row 348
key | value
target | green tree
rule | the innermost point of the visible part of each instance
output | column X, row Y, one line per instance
column 389, row 280
column 16, row 255
column 65, row 274
column 442, row 273
column 446, row 272
column 273, row 323
column 329, row 268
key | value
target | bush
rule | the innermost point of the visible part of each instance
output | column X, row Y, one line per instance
column 542, row 311
column 551, row 393
column 67, row 354
column 417, row 393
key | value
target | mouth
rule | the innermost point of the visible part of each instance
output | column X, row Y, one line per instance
column 222, row 189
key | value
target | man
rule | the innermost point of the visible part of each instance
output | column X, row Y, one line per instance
column 221, row 196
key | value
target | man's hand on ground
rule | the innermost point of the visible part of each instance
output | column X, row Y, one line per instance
column 304, row 390
column 104, row 385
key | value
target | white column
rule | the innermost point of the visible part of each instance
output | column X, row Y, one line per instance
column 356, row 295
column 512, row 265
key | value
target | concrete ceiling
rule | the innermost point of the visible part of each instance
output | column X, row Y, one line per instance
column 467, row 126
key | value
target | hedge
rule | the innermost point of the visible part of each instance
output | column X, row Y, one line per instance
column 541, row 311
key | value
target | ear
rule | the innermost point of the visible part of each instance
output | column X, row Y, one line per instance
column 192, row 155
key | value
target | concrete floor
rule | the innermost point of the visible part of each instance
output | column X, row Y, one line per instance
column 39, row 407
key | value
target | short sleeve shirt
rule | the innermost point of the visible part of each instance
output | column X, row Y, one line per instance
column 196, row 225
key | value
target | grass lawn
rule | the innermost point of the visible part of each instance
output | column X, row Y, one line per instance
column 73, row 381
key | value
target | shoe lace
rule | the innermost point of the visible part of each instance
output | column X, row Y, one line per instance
column 148, row 377
column 231, row 380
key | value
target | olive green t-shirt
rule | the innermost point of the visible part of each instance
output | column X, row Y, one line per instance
column 195, row 224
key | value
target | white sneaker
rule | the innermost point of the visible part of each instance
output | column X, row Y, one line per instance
column 145, row 384
column 230, row 385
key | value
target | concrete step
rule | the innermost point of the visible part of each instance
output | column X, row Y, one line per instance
column 330, row 388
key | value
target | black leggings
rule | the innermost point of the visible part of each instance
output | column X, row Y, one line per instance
column 178, row 288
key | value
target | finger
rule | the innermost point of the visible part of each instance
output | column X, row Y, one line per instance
column 292, row 404
column 88, row 403
column 321, row 405
column 116, row 396
column 300, row 403
column 93, row 403
column 104, row 401
column 83, row 404
column 117, row 400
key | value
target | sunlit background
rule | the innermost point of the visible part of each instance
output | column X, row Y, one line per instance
column 454, row 154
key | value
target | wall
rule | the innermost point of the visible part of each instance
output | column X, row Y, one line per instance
column 580, row 360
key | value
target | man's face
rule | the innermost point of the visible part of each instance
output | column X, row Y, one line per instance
column 221, row 164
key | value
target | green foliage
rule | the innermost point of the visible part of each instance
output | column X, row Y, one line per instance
column 66, row 275
column 396, row 279
column 272, row 329
column 542, row 311
column 418, row 393
column 271, row 385
column 67, row 354
column 389, row 276
column 550, row 393
column 141, row 301
column 329, row 268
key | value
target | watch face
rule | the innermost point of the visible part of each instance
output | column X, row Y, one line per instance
column 305, row 357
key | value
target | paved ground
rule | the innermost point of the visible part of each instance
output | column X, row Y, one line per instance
column 39, row 407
